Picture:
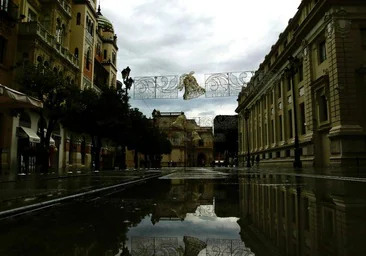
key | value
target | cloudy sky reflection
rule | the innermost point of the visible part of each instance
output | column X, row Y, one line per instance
column 200, row 227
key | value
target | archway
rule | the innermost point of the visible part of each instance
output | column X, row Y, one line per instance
column 201, row 160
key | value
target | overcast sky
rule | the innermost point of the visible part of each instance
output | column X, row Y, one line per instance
column 173, row 37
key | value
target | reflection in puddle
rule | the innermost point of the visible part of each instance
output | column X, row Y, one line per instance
column 266, row 213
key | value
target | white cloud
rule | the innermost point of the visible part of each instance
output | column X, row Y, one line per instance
column 164, row 37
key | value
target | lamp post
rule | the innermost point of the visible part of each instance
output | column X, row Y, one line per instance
column 290, row 72
column 246, row 117
column 127, row 80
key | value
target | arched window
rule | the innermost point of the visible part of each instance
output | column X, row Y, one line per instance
column 76, row 52
column 58, row 31
column 39, row 61
column 45, row 64
column 55, row 70
column 78, row 18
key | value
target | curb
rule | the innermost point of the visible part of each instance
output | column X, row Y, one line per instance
column 9, row 213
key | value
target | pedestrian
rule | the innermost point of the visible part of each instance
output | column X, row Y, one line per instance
column 257, row 159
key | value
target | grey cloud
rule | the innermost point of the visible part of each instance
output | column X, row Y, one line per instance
column 161, row 38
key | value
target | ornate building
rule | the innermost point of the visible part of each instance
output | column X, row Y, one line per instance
column 309, row 91
column 75, row 40
column 192, row 145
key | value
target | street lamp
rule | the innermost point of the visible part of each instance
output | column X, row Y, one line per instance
column 127, row 80
column 246, row 117
column 290, row 71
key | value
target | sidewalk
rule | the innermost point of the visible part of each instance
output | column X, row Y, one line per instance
column 33, row 190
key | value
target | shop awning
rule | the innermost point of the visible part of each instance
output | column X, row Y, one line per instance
column 10, row 98
column 28, row 132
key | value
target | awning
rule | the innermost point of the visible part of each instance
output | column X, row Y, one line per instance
column 27, row 132
column 10, row 98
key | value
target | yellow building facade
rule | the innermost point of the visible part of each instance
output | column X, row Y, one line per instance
column 310, row 86
column 75, row 40
column 192, row 145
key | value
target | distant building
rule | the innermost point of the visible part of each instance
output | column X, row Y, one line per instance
column 226, row 138
column 310, row 84
column 192, row 145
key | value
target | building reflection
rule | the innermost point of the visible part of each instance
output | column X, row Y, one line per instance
column 290, row 215
column 200, row 197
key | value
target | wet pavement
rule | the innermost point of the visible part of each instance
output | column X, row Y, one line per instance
column 28, row 190
column 207, row 212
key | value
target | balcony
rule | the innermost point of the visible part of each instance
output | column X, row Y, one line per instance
column 65, row 6
column 8, row 10
column 36, row 29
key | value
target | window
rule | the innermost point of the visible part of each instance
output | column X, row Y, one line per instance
column 290, row 123
column 105, row 54
column 289, row 83
column 32, row 16
column 4, row 5
column 301, row 72
column 59, row 31
column 3, row 44
column 78, row 18
column 280, row 127
column 302, row 118
column 114, row 58
column 98, row 49
column 273, row 131
column 322, row 52
column 39, row 61
column 88, row 59
column 323, row 108
column 279, row 90
column 76, row 52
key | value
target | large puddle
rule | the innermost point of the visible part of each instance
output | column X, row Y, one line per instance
column 202, row 212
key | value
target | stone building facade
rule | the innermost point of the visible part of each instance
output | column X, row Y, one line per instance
column 192, row 145
column 74, row 39
column 310, row 86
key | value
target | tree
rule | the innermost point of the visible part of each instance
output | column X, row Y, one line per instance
column 56, row 93
column 101, row 115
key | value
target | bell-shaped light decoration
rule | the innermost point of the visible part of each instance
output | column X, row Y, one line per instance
column 180, row 122
column 195, row 136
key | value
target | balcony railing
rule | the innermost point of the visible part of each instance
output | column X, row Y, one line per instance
column 65, row 6
column 9, row 10
column 35, row 28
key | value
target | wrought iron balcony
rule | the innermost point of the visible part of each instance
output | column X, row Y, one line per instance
column 65, row 6
column 8, row 10
column 36, row 29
